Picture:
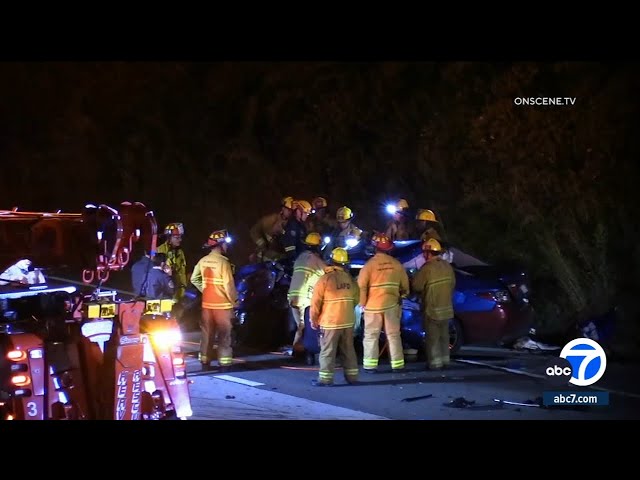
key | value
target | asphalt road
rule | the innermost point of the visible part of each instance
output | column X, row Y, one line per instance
column 273, row 386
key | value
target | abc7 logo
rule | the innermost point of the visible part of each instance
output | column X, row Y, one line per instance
column 582, row 362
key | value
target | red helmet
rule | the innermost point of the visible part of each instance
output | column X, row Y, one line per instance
column 382, row 242
column 218, row 237
column 175, row 228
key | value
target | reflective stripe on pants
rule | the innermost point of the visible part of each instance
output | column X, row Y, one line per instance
column 373, row 323
column 333, row 342
column 216, row 323
column 437, row 342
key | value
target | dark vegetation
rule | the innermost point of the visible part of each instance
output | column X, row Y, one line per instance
column 217, row 145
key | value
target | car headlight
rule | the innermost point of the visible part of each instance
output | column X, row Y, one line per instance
column 166, row 338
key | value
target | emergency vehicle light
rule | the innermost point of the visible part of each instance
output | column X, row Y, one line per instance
column 166, row 338
column 16, row 355
column 20, row 380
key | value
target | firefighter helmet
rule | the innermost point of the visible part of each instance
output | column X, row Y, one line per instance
column 343, row 214
column 382, row 242
column 287, row 202
column 302, row 205
column 432, row 245
column 313, row 239
column 340, row 255
column 218, row 237
column 402, row 205
column 426, row 215
column 319, row 202
column 174, row 228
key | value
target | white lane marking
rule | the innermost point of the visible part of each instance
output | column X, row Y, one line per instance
column 230, row 378
column 544, row 377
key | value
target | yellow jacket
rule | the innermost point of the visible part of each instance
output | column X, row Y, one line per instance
column 435, row 282
column 382, row 281
column 178, row 263
column 334, row 300
column 213, row 276
column 307, row 270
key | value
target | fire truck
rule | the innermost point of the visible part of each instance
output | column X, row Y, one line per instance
column 80, row 351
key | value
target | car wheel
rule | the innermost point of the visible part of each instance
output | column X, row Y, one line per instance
column 309, row 359
column 456, row 336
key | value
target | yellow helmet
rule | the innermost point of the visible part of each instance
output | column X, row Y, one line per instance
column 432, row 245
column 402, row 204
column 302, row 205
column 339, row 255
column 287, row 202
column 426, row 215
column 313, row 239
column 319, row 202
column 343, row 214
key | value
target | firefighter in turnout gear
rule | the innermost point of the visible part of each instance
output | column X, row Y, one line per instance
column 213, row 276
column 383, row 283
column 346, row 234
column 434, row 282
column 398, row 228
column 307, row 270
column 427, row 225
column 176, row 261
column 430, row 227
column 267, row 232
column 294, row 231
column 319, row 220
column 333, row 311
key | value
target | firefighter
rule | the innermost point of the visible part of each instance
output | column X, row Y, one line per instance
column 307, row 270
column 319, row 220
column 398, row 228
column 383, row 282
column 267, row 231
column 333, row 311
column 434, row 282
column 213, row 277
column 294, row 231
column 346, row 234
column 427, row 225
column 430, row 227
column 176, row 259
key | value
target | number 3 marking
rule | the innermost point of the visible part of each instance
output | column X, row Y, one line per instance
column 32, row 409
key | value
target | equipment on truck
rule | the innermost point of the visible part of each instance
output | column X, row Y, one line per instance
column 70, row 352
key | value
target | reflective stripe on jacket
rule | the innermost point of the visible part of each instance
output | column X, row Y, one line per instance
column 213, row 276
column 307, row 270
column 382, row 281
column 435, row 282
column 334, row 300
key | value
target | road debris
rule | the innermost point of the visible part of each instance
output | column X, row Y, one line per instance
column 528, row 403
column 413, row 399
column 463, row 403
column 229, row 397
